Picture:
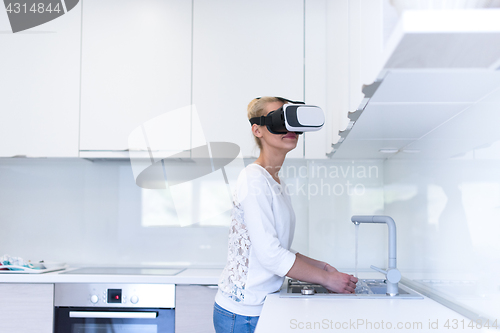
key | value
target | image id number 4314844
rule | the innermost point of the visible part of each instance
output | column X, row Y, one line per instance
column 39, row 7
column 454, row 324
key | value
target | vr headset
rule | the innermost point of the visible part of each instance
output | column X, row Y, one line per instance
column 294, row 117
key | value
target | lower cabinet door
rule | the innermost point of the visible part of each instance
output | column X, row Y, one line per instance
column 194, row 306
column 26, row 308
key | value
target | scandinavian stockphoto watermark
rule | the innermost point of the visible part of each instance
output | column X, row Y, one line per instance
column 171, row 158
column 194, row 179
column 347, row 178
column 365, row 324
column 26, row 14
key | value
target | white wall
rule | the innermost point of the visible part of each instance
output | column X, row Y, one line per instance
column 84, row 212
column 338, row 190
column 447, row 214
column 454, row 204
column 90, row 212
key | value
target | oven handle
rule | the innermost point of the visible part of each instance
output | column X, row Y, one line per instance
column 106, row 314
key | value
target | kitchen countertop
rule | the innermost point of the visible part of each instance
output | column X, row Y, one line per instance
column 329, row 314
column 206, row 276
column 296, row 314
column 292, row 315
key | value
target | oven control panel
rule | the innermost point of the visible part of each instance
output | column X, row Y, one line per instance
column 115, row 295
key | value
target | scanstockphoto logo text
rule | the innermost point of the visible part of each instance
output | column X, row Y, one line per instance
column 26, row 14
column 447, row 324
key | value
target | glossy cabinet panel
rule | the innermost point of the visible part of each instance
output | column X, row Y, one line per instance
column 39, row 87
column 27, row 308
column 243, row 50
column 194, row 301
column 136, row 65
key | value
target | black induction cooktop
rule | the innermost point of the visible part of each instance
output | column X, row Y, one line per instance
column 126, row 271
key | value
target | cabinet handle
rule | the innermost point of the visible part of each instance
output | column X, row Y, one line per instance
column 105, row 314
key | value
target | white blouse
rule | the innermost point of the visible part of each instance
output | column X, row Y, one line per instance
column 260, row 235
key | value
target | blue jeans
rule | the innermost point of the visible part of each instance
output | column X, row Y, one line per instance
column 228, row 322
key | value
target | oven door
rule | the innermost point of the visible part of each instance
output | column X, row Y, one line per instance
column 113, row 320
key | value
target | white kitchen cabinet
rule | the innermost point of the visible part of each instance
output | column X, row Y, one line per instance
column 355, row 47
column 243, row 50
column 315, row 70
column 194, row 305
column 40, row 86
column 136, row 65
column 26, row 308
column 425, row 102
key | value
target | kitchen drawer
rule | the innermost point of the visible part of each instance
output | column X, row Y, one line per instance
column 194, row 308
column 26, row 308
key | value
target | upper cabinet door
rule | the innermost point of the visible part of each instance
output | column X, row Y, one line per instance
column 136, row 65
column 40, row 85
column 243, row 50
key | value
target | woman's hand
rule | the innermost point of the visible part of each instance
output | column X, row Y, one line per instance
column 339, row 282
column 309, row 270
column 330, row 268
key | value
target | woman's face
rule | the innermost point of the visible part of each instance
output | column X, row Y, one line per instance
column 285, row 142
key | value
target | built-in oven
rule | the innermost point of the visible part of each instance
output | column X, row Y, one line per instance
column 114, row 308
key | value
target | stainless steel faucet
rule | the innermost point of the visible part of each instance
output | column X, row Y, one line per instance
column 392, row 274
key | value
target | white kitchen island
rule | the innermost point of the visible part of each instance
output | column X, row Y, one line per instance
column 327, row 314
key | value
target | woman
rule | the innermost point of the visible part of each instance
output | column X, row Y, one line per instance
column 261, row 232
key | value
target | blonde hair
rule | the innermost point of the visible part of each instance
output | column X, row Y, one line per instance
column 256, row 109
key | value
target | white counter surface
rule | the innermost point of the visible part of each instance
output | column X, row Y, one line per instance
column 207, row 276
column 359, row 315
column 323, row 315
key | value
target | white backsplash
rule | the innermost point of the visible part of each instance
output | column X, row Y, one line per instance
column 84, row 212
column 340, row 189
column 449, row 213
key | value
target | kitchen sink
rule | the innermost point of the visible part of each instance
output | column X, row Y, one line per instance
column 366, row 288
